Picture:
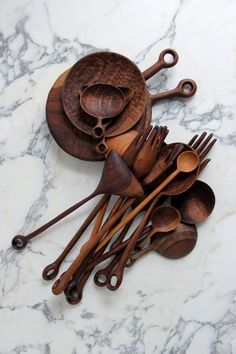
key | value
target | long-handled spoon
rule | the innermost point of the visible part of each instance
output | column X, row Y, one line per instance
column 116, row 178
column 186, row 162
column 51, row 270
column 164, row 218
column 174, row 244
column 74, row 289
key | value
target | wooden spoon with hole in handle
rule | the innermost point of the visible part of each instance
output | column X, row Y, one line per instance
column 116, row 179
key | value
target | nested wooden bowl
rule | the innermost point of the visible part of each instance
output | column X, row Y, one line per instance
column 110, row 68
column 70, row 139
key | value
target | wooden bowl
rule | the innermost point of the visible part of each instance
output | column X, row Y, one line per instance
column 196, row 204
column 70, row 139
column 110, row 68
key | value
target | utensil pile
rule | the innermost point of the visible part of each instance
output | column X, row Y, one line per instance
column 100, row 109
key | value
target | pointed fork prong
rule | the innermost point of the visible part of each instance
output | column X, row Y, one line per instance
column 199, row 140
column 175, row 152
column 153, row 135
column 207, row 149
column 203, row 165
column 203, row 144
column 191, row 141
column 134, row 148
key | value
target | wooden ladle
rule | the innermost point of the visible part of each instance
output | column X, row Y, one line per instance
column 104, row 102
column 116, row 178
column 186, row 162
column 196, row 204
column 173, row 244
column 164, row 218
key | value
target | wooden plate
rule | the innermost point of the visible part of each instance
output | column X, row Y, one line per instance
column 111, row 68
column 70, row 139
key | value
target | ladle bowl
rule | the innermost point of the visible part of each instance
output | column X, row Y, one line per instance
column 196, row 204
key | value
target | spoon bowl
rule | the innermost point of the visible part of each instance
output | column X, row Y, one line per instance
column 104, row 100
column 196, row 204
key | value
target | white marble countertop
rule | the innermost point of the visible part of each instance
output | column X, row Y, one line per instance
column 187, row 305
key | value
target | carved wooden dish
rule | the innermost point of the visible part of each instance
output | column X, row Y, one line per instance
column 70, row 139
column 110, row 68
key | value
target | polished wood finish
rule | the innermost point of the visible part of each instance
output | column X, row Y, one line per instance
column 103, row 100
column 164, row 218
column 174, row 244
column 51, row 270
column 116, row 178
column 187, row 161
column 149, row 152
column 196, row 204
column 70, row 139
column 110, row 68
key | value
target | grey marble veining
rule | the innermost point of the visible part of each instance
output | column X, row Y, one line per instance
column 163, row 306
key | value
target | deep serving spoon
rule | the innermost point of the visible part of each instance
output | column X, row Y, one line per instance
column 186, row 162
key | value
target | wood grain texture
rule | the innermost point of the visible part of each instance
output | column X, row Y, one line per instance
column 196, row 204
column 70, row 139
column 111, row 68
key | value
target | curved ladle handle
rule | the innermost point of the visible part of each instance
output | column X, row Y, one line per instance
column 185, row 88
column 19, row 242
column 98, row 130
column 161, row 63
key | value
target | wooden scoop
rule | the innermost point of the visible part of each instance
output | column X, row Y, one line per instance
column 186, row 162
column 196, row 204
column 164, row 218
column 116, row 178
column 174, row 244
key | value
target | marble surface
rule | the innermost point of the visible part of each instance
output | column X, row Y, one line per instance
column 163, row 306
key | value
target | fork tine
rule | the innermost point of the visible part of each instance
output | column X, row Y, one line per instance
column 153, row 135
column 145, row 135
column 199, row 140
column 175, row 152
column 134, row 148
column 191, row 141
column 203, row 165
column 207, row 149
column 204, row 144
column 160, row 138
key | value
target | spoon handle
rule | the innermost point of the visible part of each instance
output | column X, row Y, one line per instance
column 117, row 273
column 51, row 270
column 161, row 63
column 62, row 282
column 19, row 242
column 135, row 211
column 180, row 91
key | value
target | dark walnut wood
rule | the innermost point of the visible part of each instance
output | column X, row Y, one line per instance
column 70, row 139
column 196, row 204
column 110, row 68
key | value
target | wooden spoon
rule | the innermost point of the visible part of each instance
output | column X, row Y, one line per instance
column 164, row 218
column 174, row 244
column 186, row 162
column 196, row 204
column 116, row 179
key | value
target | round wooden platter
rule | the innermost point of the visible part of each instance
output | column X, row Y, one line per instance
column 111, row 68
column 70, row 139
